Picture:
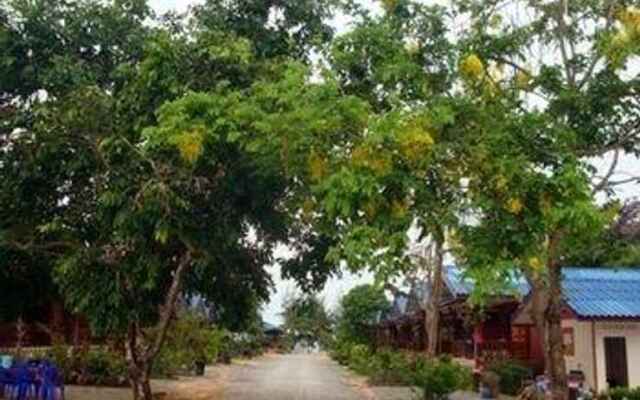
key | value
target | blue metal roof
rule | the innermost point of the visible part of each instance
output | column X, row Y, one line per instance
column 461, row 285
column 602, row 292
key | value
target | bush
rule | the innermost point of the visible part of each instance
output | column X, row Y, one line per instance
column 621, row 393
column 359, row 359
column 390, row 368
column 441, row 376
column 190, row 340
column 102, row 367
column 511, row 374
column 84, row 366
column 438, row 377
column 341, row 351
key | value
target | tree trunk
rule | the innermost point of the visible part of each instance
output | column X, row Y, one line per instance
column 555, row 348
column 539, row 300
column 432, row 313
column 140, row 355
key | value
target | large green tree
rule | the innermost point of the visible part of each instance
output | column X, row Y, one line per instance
column 306, row 319
column 557, row 86
column 128, row 165
column 360, row 310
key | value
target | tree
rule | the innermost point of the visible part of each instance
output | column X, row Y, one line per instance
column 617, row 246
column 305, row 318
column 553, row 74
column 366, row 187
column 124, row 161
column 360, row 310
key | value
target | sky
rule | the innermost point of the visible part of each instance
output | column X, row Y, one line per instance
column 336, row 287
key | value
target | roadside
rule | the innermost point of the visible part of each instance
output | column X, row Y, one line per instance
column 207, row 387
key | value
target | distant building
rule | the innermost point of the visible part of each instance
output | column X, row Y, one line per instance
column 601, row 324
column 600, row 320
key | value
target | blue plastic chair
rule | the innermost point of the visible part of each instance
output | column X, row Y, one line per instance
column 52, row 387
column 23, row 385
column 7, row 381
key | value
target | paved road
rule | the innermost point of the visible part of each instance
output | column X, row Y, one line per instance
column 289, row 377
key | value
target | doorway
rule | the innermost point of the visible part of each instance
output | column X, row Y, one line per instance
column 615, row 355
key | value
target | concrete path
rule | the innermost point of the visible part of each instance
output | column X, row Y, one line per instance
column 289, row 377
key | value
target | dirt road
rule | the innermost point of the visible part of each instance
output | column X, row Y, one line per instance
column 289, row 377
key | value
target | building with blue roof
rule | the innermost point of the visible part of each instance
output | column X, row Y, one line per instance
column 601, row 324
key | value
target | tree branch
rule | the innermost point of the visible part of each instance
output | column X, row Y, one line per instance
column 166, row 311
column 605, row 180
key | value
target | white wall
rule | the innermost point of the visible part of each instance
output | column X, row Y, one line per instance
column 583, row 357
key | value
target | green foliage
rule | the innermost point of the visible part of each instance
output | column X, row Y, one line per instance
column 512, row 374
column 190, row 339
column 437, row 377
column 95, row 366
column 389, row 367
column 305, row 318
column 621, row 393
column 360, row 310
column 440, row 377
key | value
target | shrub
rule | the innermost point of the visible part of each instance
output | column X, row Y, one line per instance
column 511, row 374
column 439, row 377
column 620, row 393
column 341, row 351
column 103, row 367
column 389, row 368
column 84, row 366
column 360, row 358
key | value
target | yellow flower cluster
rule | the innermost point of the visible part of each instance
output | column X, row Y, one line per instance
column 627, row 39
column 472, row 67
column 630, row 19
column 398, row 209
column 523, row 80
column 515, row 206
column 317, row 166
column 535, row 263
column 389, row 5
column 415, row 142
column 365, row 156
column 190, row 145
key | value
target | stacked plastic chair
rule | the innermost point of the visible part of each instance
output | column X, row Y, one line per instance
column 7, row 381
column 23, row 385
column 52, row 386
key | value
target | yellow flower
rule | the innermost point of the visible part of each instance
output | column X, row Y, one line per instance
column 515, row 206
column 370, row 209
column 389, row 5
column 317, row 166
column 398, row 209
column 535, row 263
column 190, row 145
column 415, row 142
column 365, row 156
column 630, row 19
column 472, row 67
column 523, row 80
column 501, row 183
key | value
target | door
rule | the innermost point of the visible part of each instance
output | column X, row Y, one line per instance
column 615, row 355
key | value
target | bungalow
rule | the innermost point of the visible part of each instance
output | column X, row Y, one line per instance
column 465, row 332
column 403, row 326
column 44, row 326
column 600, row 323
column 478, row 334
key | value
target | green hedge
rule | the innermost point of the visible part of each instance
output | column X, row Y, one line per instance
column 621, row 393
column 437, row 377
column 511, row 374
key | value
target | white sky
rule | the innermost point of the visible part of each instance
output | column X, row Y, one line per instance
column 337, row 287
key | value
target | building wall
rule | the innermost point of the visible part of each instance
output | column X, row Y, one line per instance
column 583, row 358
